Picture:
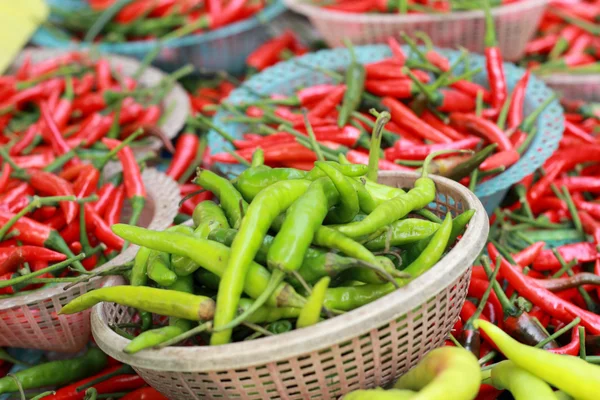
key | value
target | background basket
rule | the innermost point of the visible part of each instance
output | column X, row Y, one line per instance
column 222, row 49
column 367, row 347
column 284, row 77
column 176, row 102
column 515, row 25
column 30, row 321
column 575, row 87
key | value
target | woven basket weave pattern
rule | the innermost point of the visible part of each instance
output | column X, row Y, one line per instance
column 575, row 87
column 30, row 321
column 368, row 347
column 515, row 26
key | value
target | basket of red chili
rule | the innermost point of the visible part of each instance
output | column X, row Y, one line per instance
column 371, row 344
column 409, row 137
column 448, row 23
column 28, row 308
column 213, row 35
column 87, row 94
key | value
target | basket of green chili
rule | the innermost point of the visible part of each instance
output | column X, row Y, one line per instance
column 30, row 319
column 383, row 328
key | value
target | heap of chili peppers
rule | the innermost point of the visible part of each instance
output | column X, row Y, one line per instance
column 274, row 217
column 55, row 201
column 117, row 21
column 78, row 378
column 447, row 111
column 405, row 6
column 567, row 39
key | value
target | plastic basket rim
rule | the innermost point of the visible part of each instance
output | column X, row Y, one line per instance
column 488, row 188
column 311, row 11
column 125, row 256
column 342, row 328
column 571, row 79
column 264, row 16
column 173, row 122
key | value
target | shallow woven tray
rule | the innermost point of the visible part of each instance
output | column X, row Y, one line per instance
column 30, row 320
column 370, row 346
column 176, row 102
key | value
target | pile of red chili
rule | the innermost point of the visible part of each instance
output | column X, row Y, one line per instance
column 432, row 108
column 114, row 21
column 567, row 39
column 56, row 204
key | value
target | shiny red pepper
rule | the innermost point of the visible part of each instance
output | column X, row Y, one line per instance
column 406, row 118
column 268, row 53
column 112, row 215
column 185, row 153
column 328, row 104
column 51, row 184
column 583, row 252
column 404, row 151
column 145, row 393
column 481, row 127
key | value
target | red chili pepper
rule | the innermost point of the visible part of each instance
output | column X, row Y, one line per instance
column 500, row 159
column 37, row 161
column 190, row 204
column 573, row 156
column 101, row 229
column 86, row 182
column 356, row 6
column 59, row 146
column 548, row 203
column 51, row 184
column 541, row 186
column 436, row 123
column 145, row 393
column 405, row 118
column 52, row 64
column 494, row 64
column 397, row 51
column 268, row 53
column 20, row 191
column 455, row 101
column 89, row 103
column 148, row 118
column 185, row 153
column 404, row 151
column 112, row 214
column 5, row 177
column 397, row 88
column 583, row 252
column 590, row 226
column 132, row 178
column 546, row 300
column 481, row 127
column 572, row 348
column 12, row 257
column 575, row 131
column 579, row 183
column 328, row 104
column 515, row 111
column 105, row 195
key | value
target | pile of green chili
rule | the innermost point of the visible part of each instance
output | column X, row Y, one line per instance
column 283, row 248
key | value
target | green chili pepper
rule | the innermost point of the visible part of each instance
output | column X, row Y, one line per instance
column 459, row 225
column 209, row 211
column 350, row 170
column 56, row 373
column 139, row 277
column 267, row 205
column 253, row 180
column 258, row 158
column 348, row 205
column 402, row 232
column 355, row 86
column 211, row 256
column 444, row 373
column 521, row 384
column 434, row 250
column 569, row 374
column 465, row 168
column 158, row 301
column 302, row 220
column 159, row 270
column 380, row 394
column 365, row 201
column 311, row 312
column 181, row 265
column 231, row 200
column 392, row 210
column 346, row 298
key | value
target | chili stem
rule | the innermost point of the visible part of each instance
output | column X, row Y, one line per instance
column 558, row 333
column 582, row 352
column 382, row 119
column 192, row 332
column 313, row 139
column 55, row 267
column 572, row 210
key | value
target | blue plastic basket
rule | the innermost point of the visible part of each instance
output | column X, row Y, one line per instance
column 284, row 77
column 222, row 49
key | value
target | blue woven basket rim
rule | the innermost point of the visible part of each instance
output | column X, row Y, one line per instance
column 521, row 169
column 45, row 38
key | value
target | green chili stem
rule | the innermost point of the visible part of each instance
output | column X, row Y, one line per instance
column 582, row 352
column 455, row 341
column 488, row 357
column 55, row 267
column 103, row 19
column 501, row 122
column 484, row 299
column 529, row 121
column 473, row 179
column 313, row 139
column 103, row 161
column 36, row 202
column 572, row 210
column 239, row 158
column 221, row 132
column 382, row 119
column 185, row 335
column 258, row 329
column 507, row 306
column 558, row 333
column 479, row 103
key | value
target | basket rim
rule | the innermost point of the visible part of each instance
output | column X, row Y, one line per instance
column 327, row 333
column 149, row 175
column 485, row 189
column 568, row 79
column 313, row 11
column 173, row 122
column 266, row 15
